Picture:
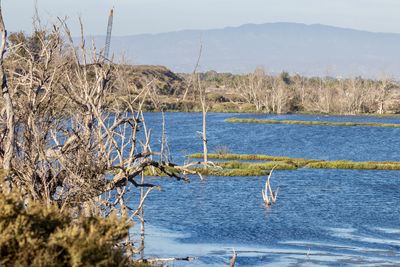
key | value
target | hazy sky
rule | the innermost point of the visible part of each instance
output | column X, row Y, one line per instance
column 152, row 16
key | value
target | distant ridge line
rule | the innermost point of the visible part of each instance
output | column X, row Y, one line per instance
column 306, row 49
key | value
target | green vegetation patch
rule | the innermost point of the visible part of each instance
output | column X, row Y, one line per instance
column 286, row 163
column 240, row 157
column 326, row 123
column 298, row 162
column 35, row 234
column 213, row 171
column 235, row 167
column 278, row 165
column 342, row 164
column 231, row 172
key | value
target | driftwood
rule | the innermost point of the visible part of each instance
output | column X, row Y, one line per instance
column 269, row 196
column 168, row 259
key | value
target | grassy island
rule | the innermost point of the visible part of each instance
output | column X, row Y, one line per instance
column 235, row 161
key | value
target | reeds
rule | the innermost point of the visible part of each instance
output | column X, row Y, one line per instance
column 286, row 163
column 214, row 171
column 279, row 165
column 341, row 164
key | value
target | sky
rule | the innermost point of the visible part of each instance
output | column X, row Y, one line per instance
column 154, row 16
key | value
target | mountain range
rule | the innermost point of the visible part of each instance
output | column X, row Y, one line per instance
column 311, row 50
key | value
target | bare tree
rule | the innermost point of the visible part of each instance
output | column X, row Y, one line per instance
column 196, row 83
column 253, row 89
column 193, row 76
column 204, row 107
column 164, row 151
column 65, row 144
column 383, row 92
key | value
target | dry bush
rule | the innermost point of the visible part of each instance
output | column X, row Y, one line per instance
column 286, row 93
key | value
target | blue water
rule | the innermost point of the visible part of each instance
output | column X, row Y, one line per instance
column 322, row 217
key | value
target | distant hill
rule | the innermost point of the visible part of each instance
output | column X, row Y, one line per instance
column 312, row 50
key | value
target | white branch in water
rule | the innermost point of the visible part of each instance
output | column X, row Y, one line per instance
column 269, row 196
column 233, row 259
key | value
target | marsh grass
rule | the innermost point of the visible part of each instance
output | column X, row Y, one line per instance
column 229, row 172
column 324, row 123
column 240, row 157
column 212, row 171
column 250, row 157
column 279, row 165
column 286, row 163
column 341, row 164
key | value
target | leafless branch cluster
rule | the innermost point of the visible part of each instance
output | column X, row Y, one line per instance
column 284, row 93
column 61, row 141
column 265, row 92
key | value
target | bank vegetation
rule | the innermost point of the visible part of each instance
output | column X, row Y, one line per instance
column 260, row 92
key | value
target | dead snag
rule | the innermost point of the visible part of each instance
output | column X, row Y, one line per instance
column 233, row 259
column 269, row 196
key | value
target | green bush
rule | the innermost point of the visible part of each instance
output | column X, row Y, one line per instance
column 32, row 234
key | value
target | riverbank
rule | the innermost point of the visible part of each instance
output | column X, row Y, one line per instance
column 257, row 92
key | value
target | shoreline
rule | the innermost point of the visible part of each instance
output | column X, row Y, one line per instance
column 372, row 115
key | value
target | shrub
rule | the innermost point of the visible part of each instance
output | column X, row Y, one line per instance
column 32, row 234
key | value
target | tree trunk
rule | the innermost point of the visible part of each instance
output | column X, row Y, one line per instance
column 9, row 140
column 205, row 147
